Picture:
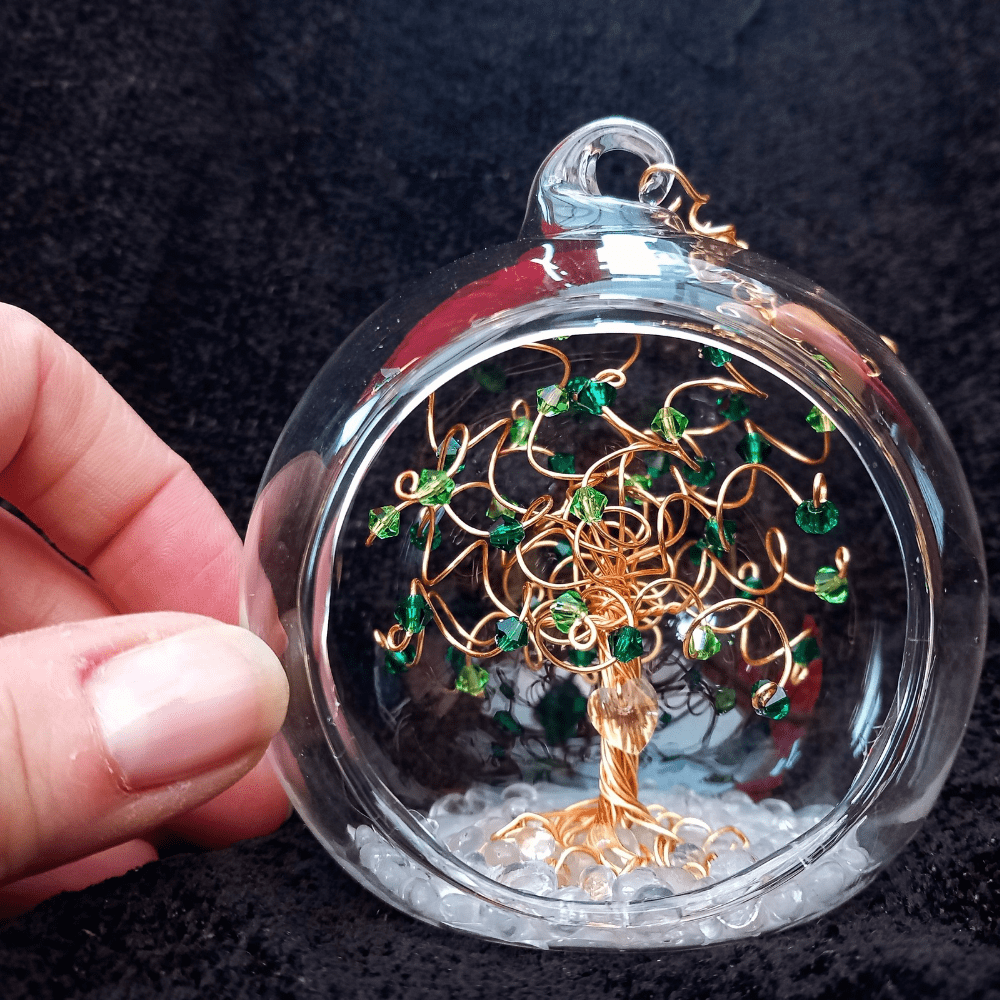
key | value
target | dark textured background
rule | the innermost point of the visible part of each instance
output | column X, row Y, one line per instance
column 205, row 197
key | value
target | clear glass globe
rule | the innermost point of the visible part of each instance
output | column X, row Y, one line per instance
column 629, row 591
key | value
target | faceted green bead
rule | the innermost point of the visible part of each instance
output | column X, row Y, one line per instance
column 398, row 661
column 665, row 719
column 669, row 423
column 830, row 586
column 633, row 485
column 711, row 538
column 655, row 461
column 496, row 508
column 418, row 535
column 567, row 608
column 575, row 384
column 471, row 679
column 507, row 722
column 733, row 406
column 703, row 476
column 512, row 634
column 383, row 522
column 506, row 533
column 588, row 504
column 626, row 644
column 491, row 377
column 725, row 700
column 562, row 462
column 693, row 678
column 456, row 658
column 703, row 643
column 754, row 448
column 435, row 487
column 769, row 699
column 806, row 651
column 563, row 549
column 753, row 582
column 581, row 657
column 715, row 356
column 520, row 431
column 413, row 613
column 560, row 711
column 816, row 520
column 594, row 396
column 819, row 421
column 451, row 452
column 552, row 400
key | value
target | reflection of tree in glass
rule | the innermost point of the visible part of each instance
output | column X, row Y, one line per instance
column 598, row 582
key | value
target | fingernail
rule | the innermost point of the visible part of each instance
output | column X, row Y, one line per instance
column 187, row 704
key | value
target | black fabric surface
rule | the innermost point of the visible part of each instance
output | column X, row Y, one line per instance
column 206, row 197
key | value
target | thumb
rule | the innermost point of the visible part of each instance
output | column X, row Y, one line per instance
column 110, row 727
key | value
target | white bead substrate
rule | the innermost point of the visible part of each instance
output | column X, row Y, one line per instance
column 465, row 823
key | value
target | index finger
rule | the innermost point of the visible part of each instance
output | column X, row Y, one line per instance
column 84, row 467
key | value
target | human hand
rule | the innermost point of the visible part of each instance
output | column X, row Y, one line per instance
column 125, row 703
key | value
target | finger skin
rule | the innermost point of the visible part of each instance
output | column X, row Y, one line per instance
column 19, row 897
column 62, row 793
column 82, row 465
column 254, row 806
column 38, row 587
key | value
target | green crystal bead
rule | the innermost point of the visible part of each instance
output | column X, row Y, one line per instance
column 563, row 549
column 471, row 679
column 754, row 448
column 830, row 586
column 397, row 661
column 560, row 711
column 654, row 462
column 634, row 484
column 716, row 357
column 451, row 452
column 491, row 377
column 435, row 487
column 562, row 462
column 733, row 406
column 711, row 539
column 567, row 608
column 496, row 508
column 769, row 699
column 693, row 678
column 575, row 384
column 753, row 582
column 819, row 421
column 588, row 504
column 806, row 651
column 506, row 690
column 383, row 522
column 512, row 634
column 725, row 700
column 704, row 474
column 418, row 535
column 552, row 400
column 669, row 423
column 594, row 396
column 520, row 431
column 507, row 722
column 413, row 613
column 665, row 719
column 506, row 533
column 581, row 657
column 816, row 520
column 626, row 644
column 703, row 643
column 456, row 658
